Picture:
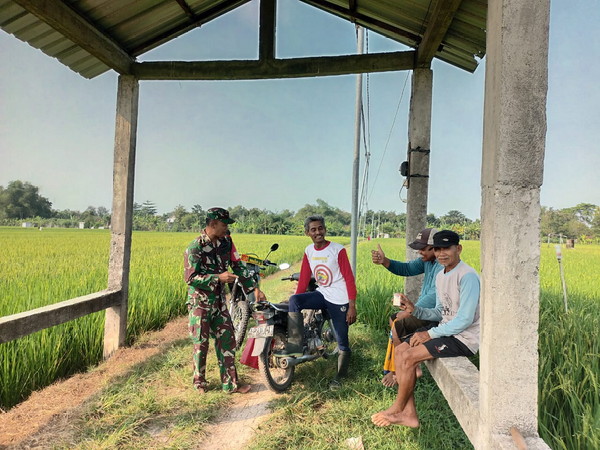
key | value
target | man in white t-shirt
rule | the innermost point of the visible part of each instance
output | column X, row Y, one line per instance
column 328, row 263
column 457, row 334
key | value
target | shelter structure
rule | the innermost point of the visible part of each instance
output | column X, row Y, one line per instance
column 497, row 405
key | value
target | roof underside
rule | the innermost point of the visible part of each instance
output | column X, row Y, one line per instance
column 94, row 36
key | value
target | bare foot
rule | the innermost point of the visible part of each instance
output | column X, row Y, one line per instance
column 382, row 419
column 386, row 412
column 375, row 418
column 389, row 380
column 201, row 390
column 242, row 389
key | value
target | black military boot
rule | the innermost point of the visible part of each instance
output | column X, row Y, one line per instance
column 342, row 372
column 295, row 333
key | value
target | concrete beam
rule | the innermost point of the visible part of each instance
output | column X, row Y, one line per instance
column 513, row 156
column 437, row 26
column 22, row 324
column 276, row 68
column 419, row 138
column 115, row 327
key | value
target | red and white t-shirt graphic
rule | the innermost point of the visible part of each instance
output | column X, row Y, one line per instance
column 331, row 269
column 323, row 275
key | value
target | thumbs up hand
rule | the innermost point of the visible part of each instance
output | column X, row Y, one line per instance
column 377, row 256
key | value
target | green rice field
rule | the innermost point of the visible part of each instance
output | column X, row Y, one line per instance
column 569, row 346
column 38, row 268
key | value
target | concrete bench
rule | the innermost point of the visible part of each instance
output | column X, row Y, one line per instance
column 458, row 379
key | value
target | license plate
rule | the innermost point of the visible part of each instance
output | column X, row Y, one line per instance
column 261, row 331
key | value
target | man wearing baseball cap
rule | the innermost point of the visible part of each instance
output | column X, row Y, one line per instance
column 206, row 263
column 404, row 322
column 457, row 334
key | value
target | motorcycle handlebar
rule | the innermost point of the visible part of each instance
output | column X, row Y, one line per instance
column 293, row 277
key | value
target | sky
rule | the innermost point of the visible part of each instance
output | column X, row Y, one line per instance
column 281, row 144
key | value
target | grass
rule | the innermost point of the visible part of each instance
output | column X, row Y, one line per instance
column 154, row 406
column 39, row 268
column 312, row 416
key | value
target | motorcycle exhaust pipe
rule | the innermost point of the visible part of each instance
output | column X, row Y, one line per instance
column 284, row 363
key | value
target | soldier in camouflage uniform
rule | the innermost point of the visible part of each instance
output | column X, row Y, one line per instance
column 206, row 261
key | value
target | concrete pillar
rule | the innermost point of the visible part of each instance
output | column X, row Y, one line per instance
column 419, row 137
column 513, row 155
column 115, row 327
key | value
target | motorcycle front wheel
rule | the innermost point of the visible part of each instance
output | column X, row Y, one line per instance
column 239, row 310
column 276, row 378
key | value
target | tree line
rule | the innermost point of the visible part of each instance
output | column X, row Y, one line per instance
column 21, row 202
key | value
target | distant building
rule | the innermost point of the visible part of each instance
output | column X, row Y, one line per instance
column 27, row 225
column 81, row 225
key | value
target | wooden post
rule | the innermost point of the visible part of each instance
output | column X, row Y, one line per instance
column 115, row 327
column 516, row 83
column 419, row 137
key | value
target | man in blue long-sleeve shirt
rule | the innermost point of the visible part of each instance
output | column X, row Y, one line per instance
column 404, row 322
column 457, row 309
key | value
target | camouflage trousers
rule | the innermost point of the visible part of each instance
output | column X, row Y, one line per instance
column 210, row 318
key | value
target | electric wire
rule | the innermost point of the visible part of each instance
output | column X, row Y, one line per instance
column 396, row 113
column 390, row 134
column 363, row 203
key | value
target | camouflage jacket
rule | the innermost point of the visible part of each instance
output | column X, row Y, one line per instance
column 205, row 260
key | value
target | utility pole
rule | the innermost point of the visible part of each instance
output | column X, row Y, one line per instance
column 373, row 225
column 356, row 163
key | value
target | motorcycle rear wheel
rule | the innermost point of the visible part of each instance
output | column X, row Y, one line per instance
column 239, row 310
column 276, row 378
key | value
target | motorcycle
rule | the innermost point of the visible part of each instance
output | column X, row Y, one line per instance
column 239, row 302
column 270, row 337
column 270, row 332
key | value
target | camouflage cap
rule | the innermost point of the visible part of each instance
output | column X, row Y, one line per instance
column 219, row 214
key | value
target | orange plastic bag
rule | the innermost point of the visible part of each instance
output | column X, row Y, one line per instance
column 388, row 364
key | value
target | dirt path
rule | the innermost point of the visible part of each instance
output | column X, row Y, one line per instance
column 48, row 414
column 235, row 427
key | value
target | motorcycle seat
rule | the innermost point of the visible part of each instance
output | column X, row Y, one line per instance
column 282, row 306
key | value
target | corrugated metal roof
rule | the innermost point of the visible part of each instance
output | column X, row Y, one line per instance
column 93, row 36
column 406, row 21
